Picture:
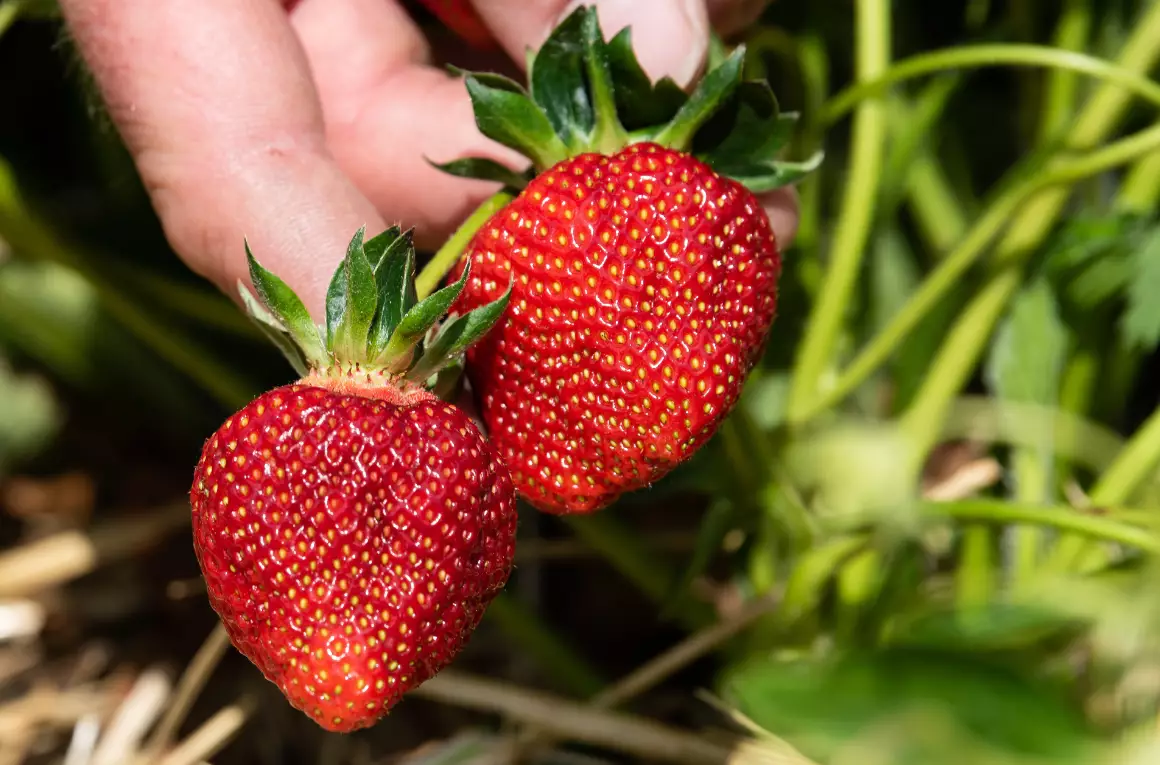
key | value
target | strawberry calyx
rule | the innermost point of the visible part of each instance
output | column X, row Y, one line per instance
column 587, row 95
column 378, row 336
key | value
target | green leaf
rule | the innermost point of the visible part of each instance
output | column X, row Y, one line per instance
column 377, row 249
column 515, row 121
column 748, row 129
column 709, row 96
column 287, row 309
column 456, row 335
column 760, row 178
column 274, row 331
column 492, row 80
column 350, row 322
column 557, row 80
column 394, row 278
column 30, row 416
column 1140, row 326
column 419, row 320
column 485, row 170
column 1030, row 349
column 911, row 708
column 993, row 627
column 639, row 104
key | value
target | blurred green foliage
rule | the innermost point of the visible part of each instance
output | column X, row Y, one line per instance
column 978, row 261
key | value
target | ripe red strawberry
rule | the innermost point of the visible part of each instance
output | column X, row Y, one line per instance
column 461, row 18
column 644, row 268
column 352, row 527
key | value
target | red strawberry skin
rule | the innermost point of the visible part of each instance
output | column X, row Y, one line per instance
column 350, row 544
column 644, row 287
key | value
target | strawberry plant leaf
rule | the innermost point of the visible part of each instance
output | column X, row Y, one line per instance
column 639, row 103
column 485, row 170
column 351, row 302
column 748, row 128
column 557, row 80
column 1028, row 354
column 275, row 332
column 760, row 178
column 1140, row 326
column 492, row 80
column 830, row 705
column 419, row 320
column 990, row 628
column 378, row 247
column 709, row 96
column 280, row 302
column 456, row 335
column 515, row 121
column 396, row 287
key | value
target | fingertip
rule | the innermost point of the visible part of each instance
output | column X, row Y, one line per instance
column 671, row 39
column 781, row 205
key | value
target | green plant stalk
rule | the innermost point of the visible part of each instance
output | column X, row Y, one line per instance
column 816, row 352
column 1140, row 191
column 1061, row 518
column 975, row 574
column 448, row 255
column 812, row 571
column 555, row 657
column 1037, row 212
column 969, row 338
column 930, row 198
column 813, row 63
column 648, row 572
column 1071, row 34
column 1123, row 78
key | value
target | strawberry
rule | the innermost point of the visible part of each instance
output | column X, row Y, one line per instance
column 461, row 18
column 351, row 526
column 644, row 267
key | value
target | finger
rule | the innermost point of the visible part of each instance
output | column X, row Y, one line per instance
column 387, row 113
column 782, row 208
column 214, row 100
column 670, row 36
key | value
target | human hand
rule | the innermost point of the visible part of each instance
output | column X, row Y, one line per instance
column 293, row 124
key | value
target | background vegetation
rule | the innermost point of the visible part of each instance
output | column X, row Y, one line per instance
column 929, row 534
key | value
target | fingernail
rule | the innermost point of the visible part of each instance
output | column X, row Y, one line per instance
column 670, row 37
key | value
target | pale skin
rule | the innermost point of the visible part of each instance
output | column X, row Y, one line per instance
column 293, row 124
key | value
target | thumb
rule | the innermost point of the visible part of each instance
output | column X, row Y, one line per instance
column 670, row 37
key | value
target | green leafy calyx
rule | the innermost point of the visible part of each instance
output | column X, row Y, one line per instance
column 586, row 94
column 374, row 319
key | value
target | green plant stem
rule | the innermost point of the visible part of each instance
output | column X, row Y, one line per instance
column 930, row 198
column 448, row 255
column 868, row 142
column 1071, row 34
column 1037, row 212
column 996, row 511
column 555, row 657
column 648, row 572
column 9, row 13
column 1140, row 191
column 1123, row 78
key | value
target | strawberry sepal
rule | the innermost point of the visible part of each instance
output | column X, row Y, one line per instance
column 374, row 319
column 587, row 95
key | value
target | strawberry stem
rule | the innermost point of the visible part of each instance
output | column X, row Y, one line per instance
column 448, row 255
